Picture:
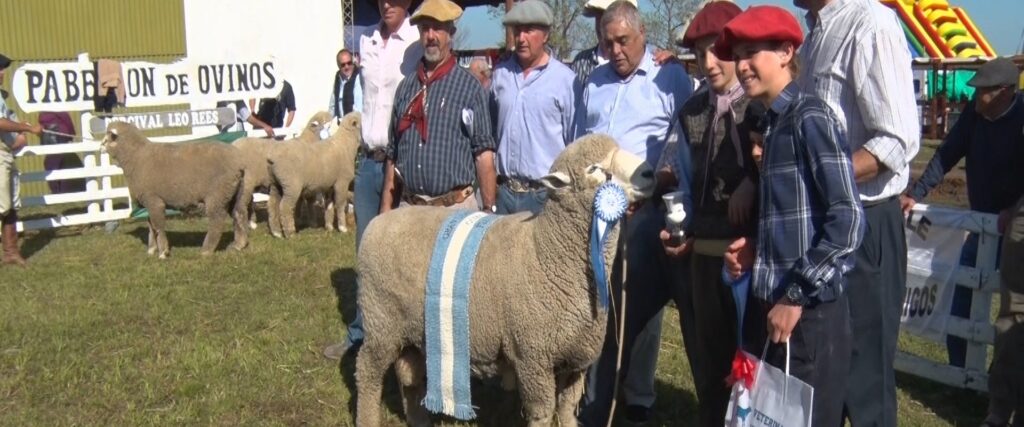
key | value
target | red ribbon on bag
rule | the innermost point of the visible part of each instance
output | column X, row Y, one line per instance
column 743, row 368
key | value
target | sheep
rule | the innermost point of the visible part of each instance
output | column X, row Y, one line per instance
column 256, row 151
column 533, row 310
column 178, row 176
column 327, row 166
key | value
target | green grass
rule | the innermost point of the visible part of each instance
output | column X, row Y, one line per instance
column 98, row 333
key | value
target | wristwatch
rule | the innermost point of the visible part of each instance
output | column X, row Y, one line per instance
column 491, row 209
column 795, row 295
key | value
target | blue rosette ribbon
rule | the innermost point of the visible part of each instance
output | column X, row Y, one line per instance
column 610, row 204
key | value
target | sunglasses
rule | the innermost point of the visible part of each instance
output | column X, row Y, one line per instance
column 344, row 64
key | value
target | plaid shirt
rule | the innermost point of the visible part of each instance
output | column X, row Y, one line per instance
column 811, row 218
column 459, row 126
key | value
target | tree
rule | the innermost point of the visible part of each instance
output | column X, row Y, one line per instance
column 665, row 18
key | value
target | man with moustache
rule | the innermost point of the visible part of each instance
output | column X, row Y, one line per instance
column 440, row 149
column 534, row 99
column 856, row 59
column 634, row 100
column 388, row 52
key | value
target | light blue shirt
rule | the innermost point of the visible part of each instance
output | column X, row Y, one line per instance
column 357, row 95
column 534, row 116
column 636, row 110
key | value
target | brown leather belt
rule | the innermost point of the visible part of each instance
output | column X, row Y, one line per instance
column 519, row 185
column 454, row 197
column 378, row 155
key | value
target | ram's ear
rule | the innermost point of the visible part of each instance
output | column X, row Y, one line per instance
column 556, row 181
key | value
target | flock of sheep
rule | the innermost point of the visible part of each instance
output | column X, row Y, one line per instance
column 222, row 177
column 534, row 314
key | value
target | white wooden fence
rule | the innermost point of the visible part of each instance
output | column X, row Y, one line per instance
column 983, row 280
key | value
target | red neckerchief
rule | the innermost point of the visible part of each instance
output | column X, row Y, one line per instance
column 416, row 113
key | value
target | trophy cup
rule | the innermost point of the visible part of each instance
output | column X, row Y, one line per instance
column 675, row 215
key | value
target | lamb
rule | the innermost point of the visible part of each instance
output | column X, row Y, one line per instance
column 327, row 166
column 178, row 176
column 533, row 309
column 256, row 151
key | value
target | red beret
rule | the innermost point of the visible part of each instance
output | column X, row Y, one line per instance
column 709, row 21
column 759, row 23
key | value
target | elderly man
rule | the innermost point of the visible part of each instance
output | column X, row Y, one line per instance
column 348, row 92
column 633, row 100
column 389, row 51
column 587, row 60
column 440, row 141
column 534, row 99
column 12, row 140
column 856, row 59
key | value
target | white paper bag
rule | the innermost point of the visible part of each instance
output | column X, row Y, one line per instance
column 774, row 399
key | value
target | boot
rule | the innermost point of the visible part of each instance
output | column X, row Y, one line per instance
column 9, row 235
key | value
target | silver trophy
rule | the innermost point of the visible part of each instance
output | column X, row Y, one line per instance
column 675, row 215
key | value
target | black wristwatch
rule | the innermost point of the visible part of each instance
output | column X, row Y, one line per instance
column 795, row 295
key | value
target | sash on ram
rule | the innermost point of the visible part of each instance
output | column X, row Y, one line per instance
column 447, row 313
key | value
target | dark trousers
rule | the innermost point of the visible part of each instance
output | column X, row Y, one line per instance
column 820, row 353
column 875, row 289
column 648, row 283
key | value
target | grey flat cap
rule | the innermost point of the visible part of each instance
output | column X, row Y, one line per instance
column 997, row 72
column 529, row 12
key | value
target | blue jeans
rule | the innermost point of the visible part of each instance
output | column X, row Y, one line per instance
column 510, row 202
column 368, row 184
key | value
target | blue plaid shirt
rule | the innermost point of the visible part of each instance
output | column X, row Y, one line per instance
column 811, row 218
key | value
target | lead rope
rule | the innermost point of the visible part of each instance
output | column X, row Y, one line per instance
column 620, row 323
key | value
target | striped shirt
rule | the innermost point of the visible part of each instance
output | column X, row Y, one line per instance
column 810, row 220
column 856, row 59
column 458, row 126
column 382, row 68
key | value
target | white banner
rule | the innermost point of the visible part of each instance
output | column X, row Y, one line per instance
column 71, row 86
column 934, row 240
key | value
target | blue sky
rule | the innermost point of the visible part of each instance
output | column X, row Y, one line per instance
column 999, row 20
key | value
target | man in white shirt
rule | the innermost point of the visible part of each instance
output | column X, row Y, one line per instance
column 388, row 52
column 856, row 59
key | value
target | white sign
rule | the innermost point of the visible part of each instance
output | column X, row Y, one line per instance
column 167, row 119
column 933, row 255
column 71, row 86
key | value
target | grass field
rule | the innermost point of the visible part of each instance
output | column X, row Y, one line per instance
column 97, row 333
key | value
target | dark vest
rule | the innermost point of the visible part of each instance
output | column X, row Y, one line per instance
column 347, row 92
column 719, row 166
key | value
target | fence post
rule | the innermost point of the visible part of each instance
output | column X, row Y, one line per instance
column 981, row 309
column 89, row 160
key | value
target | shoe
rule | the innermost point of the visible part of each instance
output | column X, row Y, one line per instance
column 339, row 350
column 637, row 415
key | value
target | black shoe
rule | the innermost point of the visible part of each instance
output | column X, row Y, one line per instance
column 637, row 415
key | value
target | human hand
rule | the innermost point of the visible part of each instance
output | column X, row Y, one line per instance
column 741, row 203
column 739, row 257
column 907, row 203
column 675, row 249
column 20, row 142
column 662, row 57
column 782, row 320
column 269, row 130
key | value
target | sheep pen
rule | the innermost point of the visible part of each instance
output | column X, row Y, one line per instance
column 534, row 314
column 182, row 175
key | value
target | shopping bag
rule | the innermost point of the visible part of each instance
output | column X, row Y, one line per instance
column 771, row 398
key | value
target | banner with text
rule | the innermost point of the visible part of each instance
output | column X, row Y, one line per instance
column 71, row 86
column 934, row 240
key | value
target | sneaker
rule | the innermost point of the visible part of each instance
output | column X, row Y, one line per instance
column 337, row 351
column 637, row 415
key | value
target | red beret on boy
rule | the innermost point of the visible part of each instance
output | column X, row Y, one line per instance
column 759, row 23
column 709, row 21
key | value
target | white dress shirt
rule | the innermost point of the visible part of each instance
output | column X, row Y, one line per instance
column 383, row 67
column 856, row 58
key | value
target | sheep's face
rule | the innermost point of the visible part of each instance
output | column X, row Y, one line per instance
column 352, row 122
column 115, row 131
column 596, row 159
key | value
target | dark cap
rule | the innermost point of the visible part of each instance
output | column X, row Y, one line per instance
column 709, row 21
column 4, row 61
column 997, row 72
column 759, row 23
